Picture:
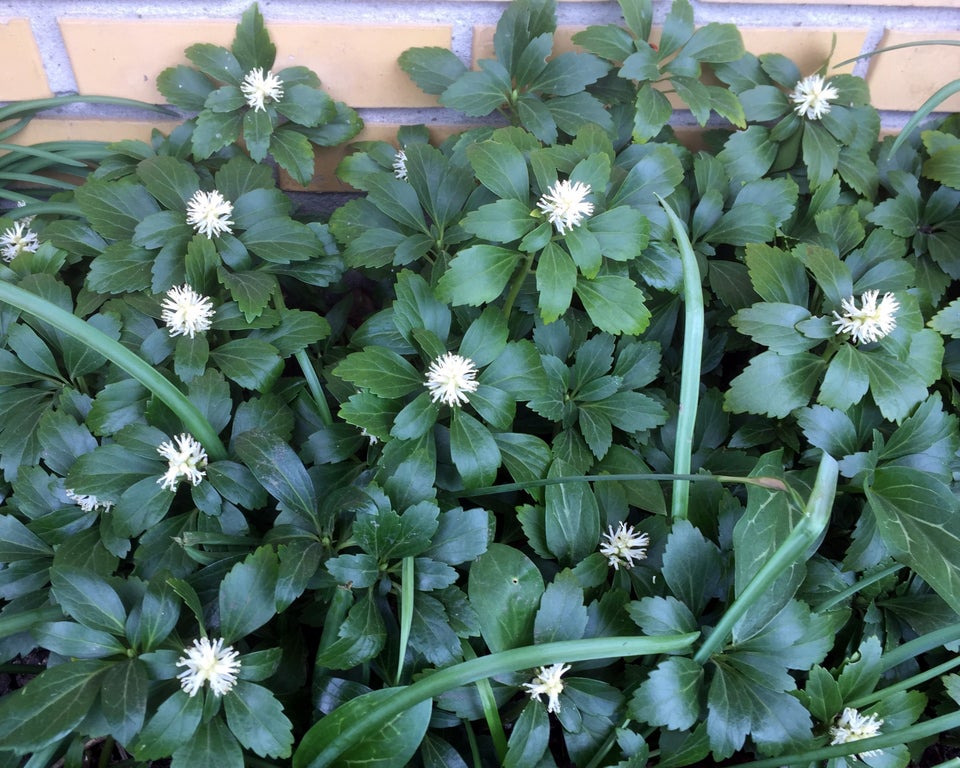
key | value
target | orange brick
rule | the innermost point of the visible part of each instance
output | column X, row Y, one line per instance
column 356, row 63
column 905, row 78
column 24, row 76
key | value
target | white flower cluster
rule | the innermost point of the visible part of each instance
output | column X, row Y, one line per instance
column 565, row 205
column 208, row 662
column 18, row 239
column 548, row 682
column 812, row 95
column 257, row 87
column 869, row 322
column 209, row 213
column 88, row 502
column 450, row 377
column 187, row 461
column 186, row 312
column 400, row 165
column 852, row 726
column 623, row 546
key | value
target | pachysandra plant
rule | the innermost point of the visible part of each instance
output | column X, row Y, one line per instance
column 560, row 444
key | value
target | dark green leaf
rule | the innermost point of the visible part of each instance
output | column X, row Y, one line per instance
column 505, row 589
column 252, row 45
column 572, row 516
column 251, row 363
column 294, row 153
column 123, row 698
column 775, row 384
column 170, row 180
column 247, row 594
column 175, row 721
column 50, row 706
column 211, row 746
column 478, row 92
column 75, row 640
column 670, row 696
column 184, row 87
column 478, row 275
column 433, row 69
column 88, row 598
column 114, row 208
column 615, row 304
column 257, row 720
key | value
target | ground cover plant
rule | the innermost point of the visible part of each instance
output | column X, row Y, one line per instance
column 560, row 444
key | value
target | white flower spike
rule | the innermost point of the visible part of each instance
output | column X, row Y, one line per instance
column 187, row 461
column 400, row 165
column 548, row 682
column 449, row 379
column 871, row 321
column 623, row 546
column 209, row 213
column 186, row 312
column 565, row 206
column 88, row 503
column 852, row 726
column 211, row 663
column 812, row 95
column 18, row 239
column 258, row 87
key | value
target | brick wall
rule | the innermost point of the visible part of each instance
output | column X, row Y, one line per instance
column 117, row 48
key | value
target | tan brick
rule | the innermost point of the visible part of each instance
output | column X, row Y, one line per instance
column 60, row 129
column 356, row 63
column 905, row 78
column 24, row 76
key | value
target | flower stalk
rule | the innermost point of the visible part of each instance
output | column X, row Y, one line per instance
column 690, row 365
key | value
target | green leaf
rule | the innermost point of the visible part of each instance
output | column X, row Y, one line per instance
column 88, row 598
column 381, row 371
column 211, row 746
column 662, row 615
column 257, row 720
column 433, row 69
column 247, row 594
column 360, row 638
column 17, row 542
column 281, row 240
column 252, row 45
column 846, row 380
column 715, row 43
column 615, row 304
column 473, row 449
column 502, row 169
column 622, row 233
column 821, row 152
column 914, row 510
column 670, row 696
column 251, row 290
column 556, row 279
column 279, row 470
column 184, row 87
column 294, row 153
column 775, row 326
column 478, row 92
column 170, row 180
column 505, row 588
column 75, row 640
column 691, row 566
column 123, row 699
column 529, row 738
column 461, row 536
column 251, row 363
column 175, row 722
column 114, row 208
column 829, row 429
column 501, row 222
column 774, row 384
column 562, row 614
column 159, row 612
column 50, row 706
column 572, row 523
column 569, row 73
column 391, row 746
column 477, row 275
column 216, row 62
column 121, row 268
column 305, row 105
column 653, row 110
column 214, row 131
column 777, row 275
column 396, row 199
column 895, row 386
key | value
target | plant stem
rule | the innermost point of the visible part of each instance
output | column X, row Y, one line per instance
column 770, row 483
column 489, row 703
column 811, row 525
column 517, row 284
column 690, row 363
column 472, row 670
column 193, row 421
column 315, row 387
column 904, row 685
